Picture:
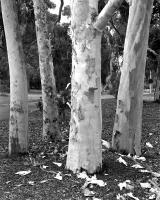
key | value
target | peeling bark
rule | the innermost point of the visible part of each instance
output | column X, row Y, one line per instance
column 50, row 110
column 18, row 124
column 84, row 150
column 128, row 122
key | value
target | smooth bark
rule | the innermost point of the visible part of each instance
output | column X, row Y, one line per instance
column 106, row 14
column 50, row 110
column 128, row 121
column 18, row 124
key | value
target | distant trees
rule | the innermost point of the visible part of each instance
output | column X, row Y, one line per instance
column 18, row 124
column 128, row 119
column 62, row 55
column 50, row 110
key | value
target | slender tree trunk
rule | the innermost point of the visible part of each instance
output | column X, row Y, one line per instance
column 157, row 89
column 84, row 150
column 50, row 110
column 18, row 126
column 128, row 120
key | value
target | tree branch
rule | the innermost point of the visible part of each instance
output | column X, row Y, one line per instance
column 152, row 51
column 106, row 14
column 111, row 21
column 60, row 12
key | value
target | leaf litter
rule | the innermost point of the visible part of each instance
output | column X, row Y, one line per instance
column 69, row 186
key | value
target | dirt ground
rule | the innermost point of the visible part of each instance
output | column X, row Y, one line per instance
column 4, row 104
column 40, row 178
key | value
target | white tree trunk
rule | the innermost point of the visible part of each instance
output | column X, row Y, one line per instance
column 50, row 110
column 128, row 120
column 18, row 126
column 84, row 150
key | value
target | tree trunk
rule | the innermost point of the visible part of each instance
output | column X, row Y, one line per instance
column 157, row 89
column 18, row 125
column 84, row 150
column 50, row 110
column 128, row 120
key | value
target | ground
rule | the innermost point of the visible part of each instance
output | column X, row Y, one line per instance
column 41, row 182
column 4, row 103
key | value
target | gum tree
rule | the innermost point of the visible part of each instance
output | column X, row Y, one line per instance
column 18, row 124
column 128, row 120
column 50, row 110
column 84, row 151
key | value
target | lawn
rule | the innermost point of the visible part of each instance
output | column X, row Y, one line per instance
column 48, row 181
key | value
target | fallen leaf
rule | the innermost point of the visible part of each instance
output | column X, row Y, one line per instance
column 44, row 166
column 145, row 185
column 121, row 160
column 58, row 164
column 19, row 185
column 139, row 158
column 94, row 180
column 131, row 195
column 82, row 175
column 98, row 182
column 144, row 171
column 88, row 193
column 31, row 182
column 137, row 166
column 43, row 156
column 67, row 175
column 153, row 190
column 126, row 184
column 23, row 173
column 153, row 196
column 156, row 174
column 148, row 144
column 44, row 181
column 58, row 176
column 8, row 182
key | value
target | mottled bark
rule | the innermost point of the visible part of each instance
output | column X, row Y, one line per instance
column 50, row 110
column 18, row 124
column 128, row 120
column 84, row 151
